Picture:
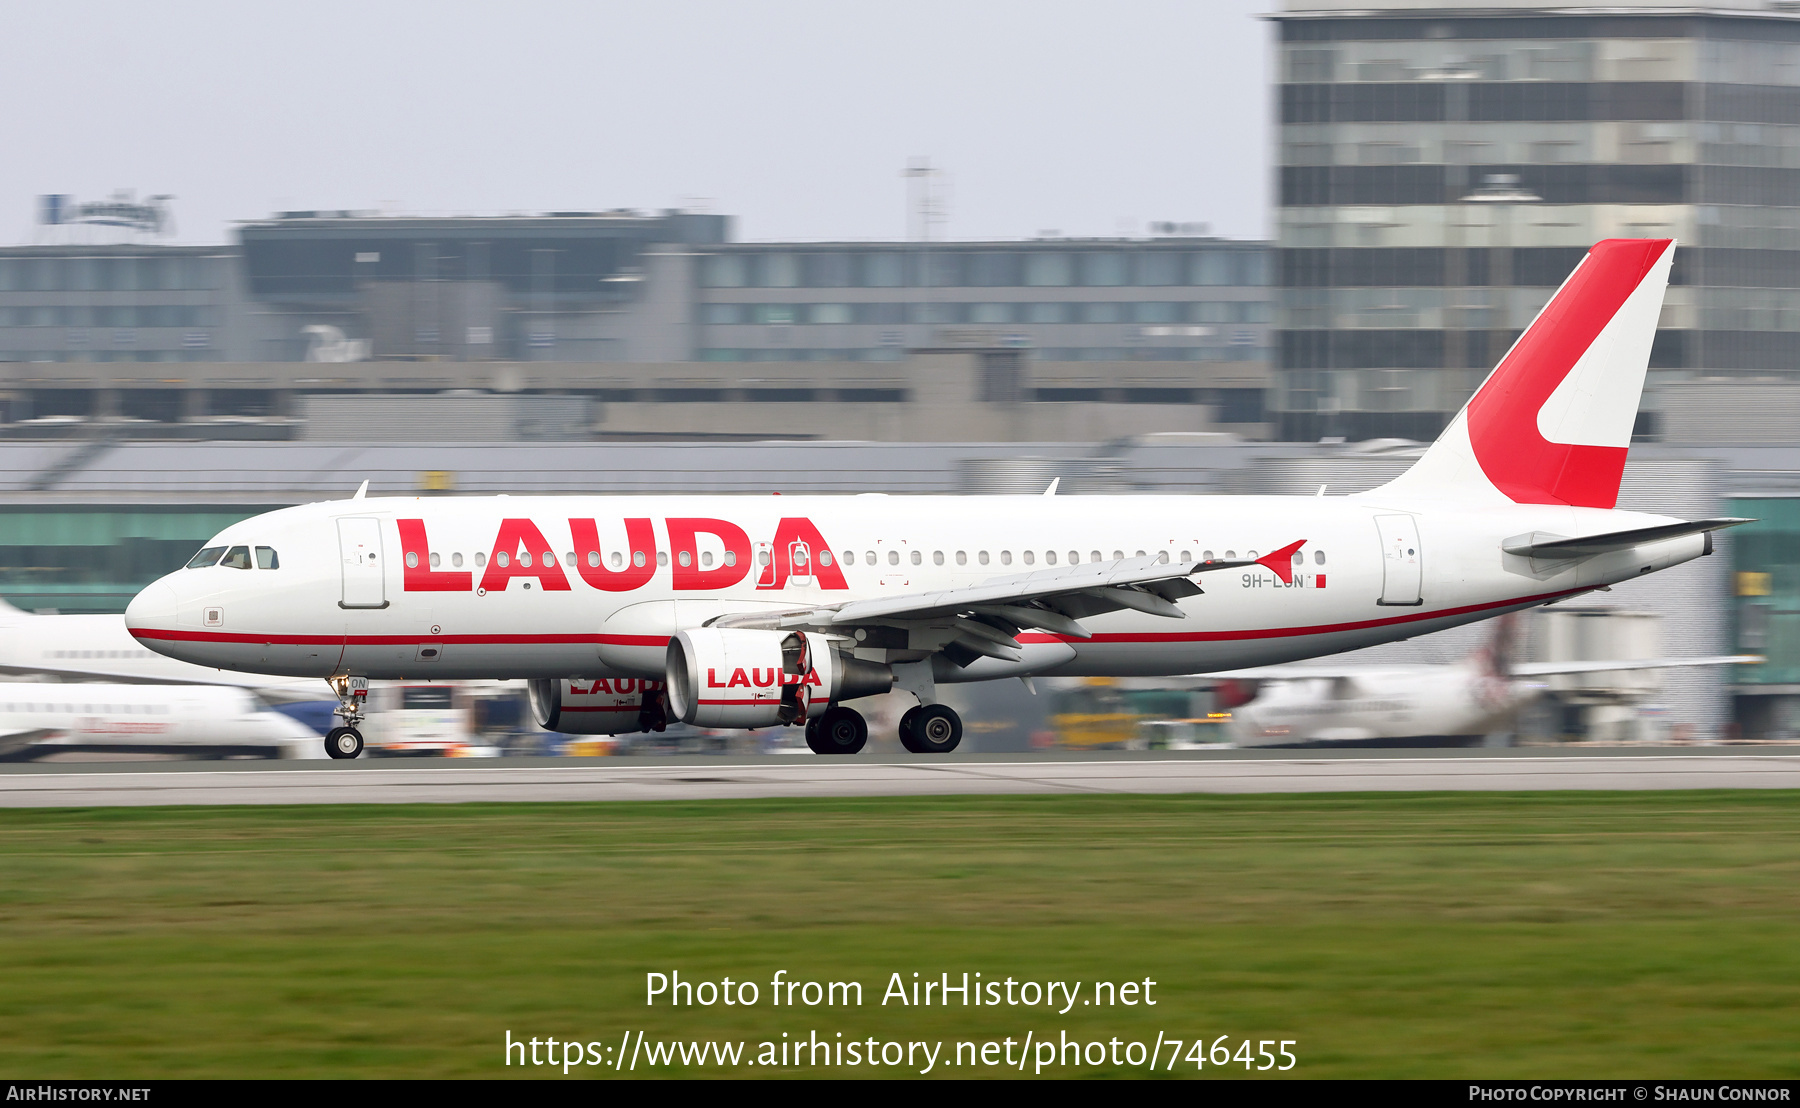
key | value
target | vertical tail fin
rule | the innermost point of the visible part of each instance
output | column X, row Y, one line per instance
column 1552, row 423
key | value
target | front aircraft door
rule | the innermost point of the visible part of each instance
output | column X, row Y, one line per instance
column 1401, row 561
column 800, row 569
column 359, row 545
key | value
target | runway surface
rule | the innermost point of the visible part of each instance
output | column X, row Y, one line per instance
column 368, row 782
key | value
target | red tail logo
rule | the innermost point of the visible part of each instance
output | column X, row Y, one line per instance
column 1503, row 418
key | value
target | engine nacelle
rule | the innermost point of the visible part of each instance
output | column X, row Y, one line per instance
column 607, row 706
column 726, row 677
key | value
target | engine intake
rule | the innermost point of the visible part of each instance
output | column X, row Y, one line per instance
column 724, row 677
column 605, row 706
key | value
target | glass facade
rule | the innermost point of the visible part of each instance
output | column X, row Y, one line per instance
column 1194, row 300
column 95, row 558
column 1439, row 176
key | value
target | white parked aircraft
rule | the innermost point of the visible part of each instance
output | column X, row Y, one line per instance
column 38, row 718
column 1323, row 703
column 748, row 612
column 100, row 648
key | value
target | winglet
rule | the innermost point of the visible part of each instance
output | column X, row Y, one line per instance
column 1054, row 481
column 1281, row 562
column 361, row 490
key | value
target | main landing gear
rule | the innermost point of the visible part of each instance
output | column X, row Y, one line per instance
column 837, row 730
column 931, row 729
column 352, row 693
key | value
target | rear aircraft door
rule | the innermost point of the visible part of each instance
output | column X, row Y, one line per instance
column 1401, row 574
column 359, row 545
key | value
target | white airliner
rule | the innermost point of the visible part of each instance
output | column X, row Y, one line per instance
column 1326, row 703
column 39, row 718
column 749, row 612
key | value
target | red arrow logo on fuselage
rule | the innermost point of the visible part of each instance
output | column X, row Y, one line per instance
column 1281, row 562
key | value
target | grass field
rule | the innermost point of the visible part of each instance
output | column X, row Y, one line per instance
column 1541, row 935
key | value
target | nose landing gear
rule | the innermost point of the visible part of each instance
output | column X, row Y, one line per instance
column 352, row 693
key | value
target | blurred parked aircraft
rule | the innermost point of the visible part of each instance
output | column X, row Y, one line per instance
column 39, row 718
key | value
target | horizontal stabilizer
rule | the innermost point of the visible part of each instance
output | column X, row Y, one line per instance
column 1557, row 669
column 1544, row 547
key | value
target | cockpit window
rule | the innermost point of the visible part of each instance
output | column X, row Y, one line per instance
column 266, row 558
column 237, row 558
column 207, row 557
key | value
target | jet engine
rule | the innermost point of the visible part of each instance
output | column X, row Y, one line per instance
column 728, row 677
column 607, row 706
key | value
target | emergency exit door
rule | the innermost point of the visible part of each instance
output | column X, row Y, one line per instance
column 1401, row 564
column 359, row 546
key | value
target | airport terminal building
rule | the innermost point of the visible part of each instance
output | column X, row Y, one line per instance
column 639, row 324
column 1443, row 166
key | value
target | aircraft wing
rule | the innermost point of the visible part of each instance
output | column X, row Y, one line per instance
column 11, row 742
column 984, row 618
column 1552, row 669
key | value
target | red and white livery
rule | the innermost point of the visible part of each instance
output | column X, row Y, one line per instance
column 752, row 611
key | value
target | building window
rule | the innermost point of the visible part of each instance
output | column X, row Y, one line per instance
column 1050, row 312
column 883, row 270
column 1159, row 267
column 1049, row 270
column 724, row 271
column 778, row 271
column 990, row 313
column 830, row 313
column 721, row 313
column 1103, row 268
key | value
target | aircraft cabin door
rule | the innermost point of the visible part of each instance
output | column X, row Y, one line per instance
column 1401, row 562
column 359, row 545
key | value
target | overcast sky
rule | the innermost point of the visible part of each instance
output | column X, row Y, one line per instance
column 796, row 116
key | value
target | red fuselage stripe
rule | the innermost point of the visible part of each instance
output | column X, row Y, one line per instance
column 660, row 640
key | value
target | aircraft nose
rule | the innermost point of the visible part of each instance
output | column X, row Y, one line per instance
column 153, row 609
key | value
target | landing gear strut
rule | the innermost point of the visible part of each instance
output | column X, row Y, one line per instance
column 931, row 729
column 837, row 731
column 352, row 693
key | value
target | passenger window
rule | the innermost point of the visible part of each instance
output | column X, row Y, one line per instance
column 524, row 558
column 436, row 559
column 1231, row 555
column 1251, row 555
column 849, row 557
column 568, row 559
column 662, row 557
column 1206, row 556
column 1318, row 557
column 1006, row 557
column 706, row 557
column 456, row 559
column 893, row 557
column 412, row 559
column 917, row 557
column 502, row 559
column 1139, row 554
column 962, row 557
column 1162, row 557
column 238, row 557
column 869, row 556
column 982, row 557
column 937, row 557
column 730, row 557
column 638, row 559
column 762, row 557
column 1095, row 556
column 1049, row 557
column 267, row 559
column 480, row 559
column 1030, row 557
column 1118, row 555
column 207, row 557
column 1186, row 557
column 1074, row 557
